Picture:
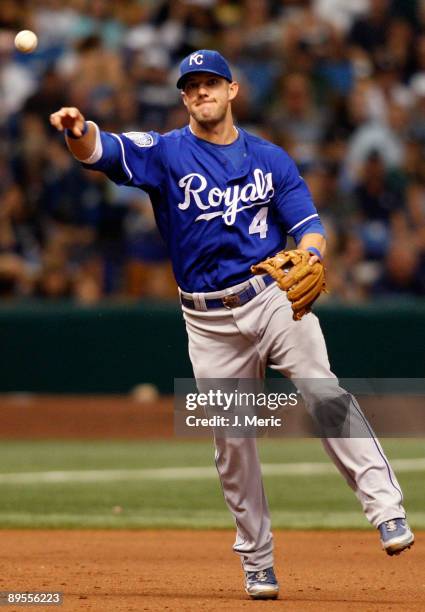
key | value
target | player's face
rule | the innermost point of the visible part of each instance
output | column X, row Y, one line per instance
column 207, row 97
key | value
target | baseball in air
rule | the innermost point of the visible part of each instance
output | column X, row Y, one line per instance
column 26, row 41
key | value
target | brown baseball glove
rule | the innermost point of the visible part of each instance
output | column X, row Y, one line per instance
column 292, row 272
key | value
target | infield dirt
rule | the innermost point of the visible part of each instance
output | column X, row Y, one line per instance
column 114, row 571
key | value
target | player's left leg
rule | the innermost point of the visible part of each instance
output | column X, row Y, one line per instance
column 297, row 349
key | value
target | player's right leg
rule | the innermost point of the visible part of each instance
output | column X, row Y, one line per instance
column 219, row 350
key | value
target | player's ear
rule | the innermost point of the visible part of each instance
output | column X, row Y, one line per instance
column 233, row 90
column 183, row 95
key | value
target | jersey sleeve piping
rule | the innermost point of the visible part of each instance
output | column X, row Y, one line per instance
column 124, row 162
column 301, row 222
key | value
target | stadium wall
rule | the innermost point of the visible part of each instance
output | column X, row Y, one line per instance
column 62, row 348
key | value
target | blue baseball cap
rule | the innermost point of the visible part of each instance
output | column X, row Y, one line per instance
column 204, row 60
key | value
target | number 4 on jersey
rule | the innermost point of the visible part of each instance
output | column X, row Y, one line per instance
column 259, row 223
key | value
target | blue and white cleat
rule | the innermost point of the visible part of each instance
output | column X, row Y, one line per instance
column 395, row 536
column 262, row 584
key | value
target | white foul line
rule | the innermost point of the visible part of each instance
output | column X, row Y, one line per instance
column 186, row 473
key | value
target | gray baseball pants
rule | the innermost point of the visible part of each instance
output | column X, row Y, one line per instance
column 240, row 343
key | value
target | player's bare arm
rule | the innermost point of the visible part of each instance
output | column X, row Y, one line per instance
column 81, row 137
column 313, row 241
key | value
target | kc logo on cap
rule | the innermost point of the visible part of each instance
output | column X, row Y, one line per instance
column 196, row 58
column 204, row 60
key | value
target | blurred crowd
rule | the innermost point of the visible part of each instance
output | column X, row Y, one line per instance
column 340, row 84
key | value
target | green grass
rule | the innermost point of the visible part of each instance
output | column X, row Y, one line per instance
column 306, row 501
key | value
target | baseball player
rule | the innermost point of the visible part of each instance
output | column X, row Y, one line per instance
column 225, row 200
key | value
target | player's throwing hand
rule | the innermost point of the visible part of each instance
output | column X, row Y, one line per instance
column 68, row 118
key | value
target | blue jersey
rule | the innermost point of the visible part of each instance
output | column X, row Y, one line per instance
column 217, row 218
